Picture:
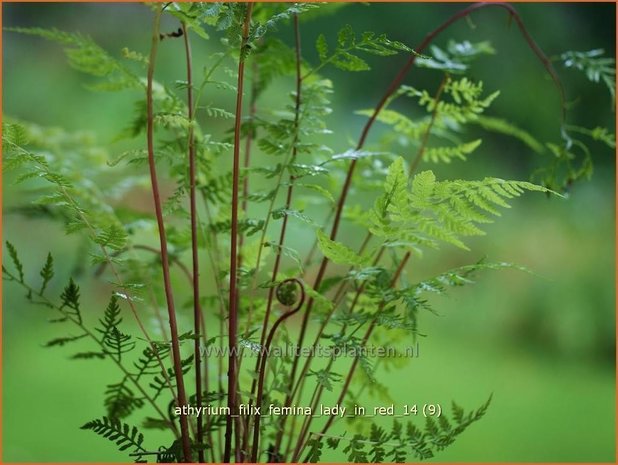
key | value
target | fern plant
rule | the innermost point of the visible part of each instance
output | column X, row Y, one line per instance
column 225, row 204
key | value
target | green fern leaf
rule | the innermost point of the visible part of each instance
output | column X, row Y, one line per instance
column 325, row 378
column 399, row 122
column 339, row 253
column 189, row 14
column 597, row 133
column 86, row 56
column 88, row 356
column 348, row 44
column 423, row 185
column 117, row 343
column 159, row 382
column 70, row 300
column 315, row 450
column 356, row 449
column 504, row 127
column 333, row 443
column 61, row 341
column 111, row 318
column 458, row 412
column 113, row 236
column 148, row 362
column 447, row 154
column 281, row 212
column 322, row 47
column 16, row 261
column 13, row 135
column 395, row 185
column 466, row 101
column 120, row 401
column 319, row 189
column 121, row 434
column 378, row 437
column 438, row 211
column 603, row 135
column 349, row 62
column 261, row 28
column 47, row 273
column 595, row 65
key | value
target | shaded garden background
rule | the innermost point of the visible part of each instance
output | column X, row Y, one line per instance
column 544, row 345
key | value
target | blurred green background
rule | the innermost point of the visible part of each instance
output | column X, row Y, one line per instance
column 543, row 345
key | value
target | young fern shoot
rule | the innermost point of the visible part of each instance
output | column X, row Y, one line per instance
column 239, row 141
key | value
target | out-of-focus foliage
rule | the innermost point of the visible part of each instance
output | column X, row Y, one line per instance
column 79, row 160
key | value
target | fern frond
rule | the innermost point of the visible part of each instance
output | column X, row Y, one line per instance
column 447, row 154
column 156, row 423
column 120, row 433
column 356, row 449
column 86, row 56
column 271, row 20
column 420, row 443
column 113, row 236
column 13, row 135
column 111, row 318
column 378, row 437
column 339, row 253
column 71, row 190
column 248, row 226
column 414, row 130
column 315, row 450
column 173, row 120
column 503, row 126
column 441, row 434
column 149, row 360
column 159, row 382
column 88, row 356
column 598, row 133
column 603, row 135
column 325, row 378
column 47, row 273
column 16, row 261
column 217, row 188
column 215, row 112
column 189, row 14
column 275, row 59
column 467, row 101
column 70, row 300
column 120, row 401
column 61, row 341
column 281, row 212
column 440, row 211
column 595, row 65
column 417, row 442
column 459, row 276
column 117, row 343
column 343, row 56
column 319, row 189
